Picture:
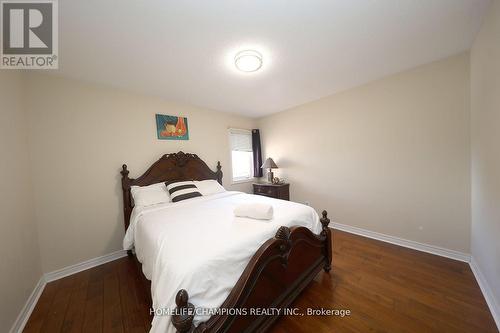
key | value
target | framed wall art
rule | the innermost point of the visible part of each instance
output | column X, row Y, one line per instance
column 172, row 127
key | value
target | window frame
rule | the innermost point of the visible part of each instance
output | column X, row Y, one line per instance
column 230, row 131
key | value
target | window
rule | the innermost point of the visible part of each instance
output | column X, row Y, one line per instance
column 241, row 154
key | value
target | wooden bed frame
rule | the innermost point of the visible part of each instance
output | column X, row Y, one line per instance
column 281, row 268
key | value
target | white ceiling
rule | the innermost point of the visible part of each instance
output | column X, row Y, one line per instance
column 182, row 50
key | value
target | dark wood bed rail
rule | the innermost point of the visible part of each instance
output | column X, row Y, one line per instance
column 274, row 277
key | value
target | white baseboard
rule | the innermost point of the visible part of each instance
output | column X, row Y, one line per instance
column 487, row 292
column 73, row 269
column 26, row 311
column 28, row 307
column 452, row 254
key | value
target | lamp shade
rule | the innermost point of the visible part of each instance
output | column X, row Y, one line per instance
column 269, row 164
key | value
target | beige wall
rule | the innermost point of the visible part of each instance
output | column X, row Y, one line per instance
column 80, row 135
column 391, row 156
column 485, row 163
column 19, row 259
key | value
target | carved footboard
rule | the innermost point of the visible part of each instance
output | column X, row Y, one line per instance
column 274, row 277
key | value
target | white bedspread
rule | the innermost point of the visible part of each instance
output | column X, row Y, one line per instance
column 199, row 245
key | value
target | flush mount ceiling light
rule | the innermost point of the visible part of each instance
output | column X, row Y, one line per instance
column 248, row 61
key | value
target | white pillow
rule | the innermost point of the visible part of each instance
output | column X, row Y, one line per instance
column 207, row 187
column 150, row 195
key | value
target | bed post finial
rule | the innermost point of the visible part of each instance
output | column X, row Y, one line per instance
column 325, row 221
column 124, row 171
column 184, row 313
column 219, row 172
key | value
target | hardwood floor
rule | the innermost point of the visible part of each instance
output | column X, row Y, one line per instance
column 387, row 288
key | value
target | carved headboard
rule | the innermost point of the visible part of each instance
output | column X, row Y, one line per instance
column 175, row 166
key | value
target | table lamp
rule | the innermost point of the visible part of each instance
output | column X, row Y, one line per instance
column 269, row 164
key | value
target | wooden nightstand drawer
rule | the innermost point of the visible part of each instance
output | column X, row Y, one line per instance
column 268, row 190
column 272, row 190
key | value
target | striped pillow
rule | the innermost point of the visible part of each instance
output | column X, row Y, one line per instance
column 182, row 190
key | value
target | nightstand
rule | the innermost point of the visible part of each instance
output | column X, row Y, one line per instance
column 281, row 191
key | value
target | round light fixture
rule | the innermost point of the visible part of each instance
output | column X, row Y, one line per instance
column 248, row 61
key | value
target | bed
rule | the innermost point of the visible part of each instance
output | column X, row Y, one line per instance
column 205, row 265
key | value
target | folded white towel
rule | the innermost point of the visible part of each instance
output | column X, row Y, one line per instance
column 257, row 211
